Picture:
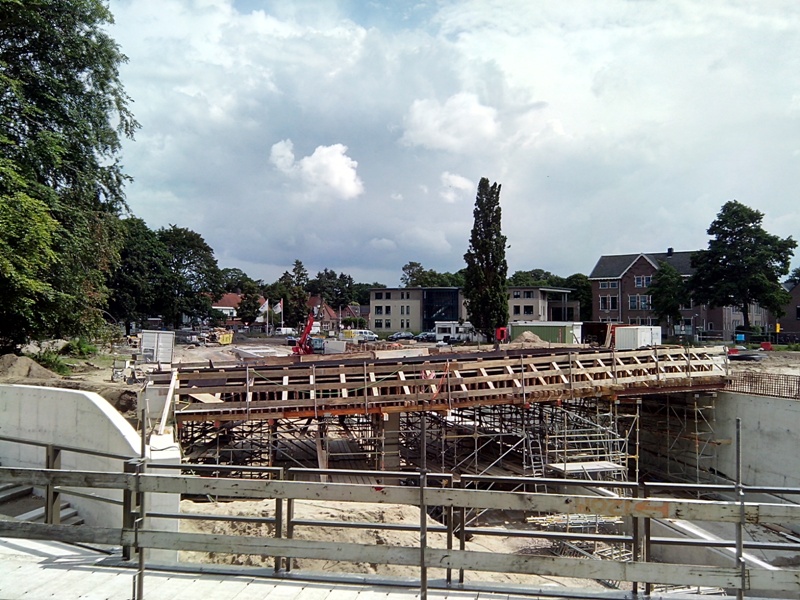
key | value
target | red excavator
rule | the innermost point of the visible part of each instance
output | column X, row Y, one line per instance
column 303, row 345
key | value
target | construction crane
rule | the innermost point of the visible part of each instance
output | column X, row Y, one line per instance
column 304, row 344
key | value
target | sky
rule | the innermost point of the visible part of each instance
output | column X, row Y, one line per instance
column 351, row 135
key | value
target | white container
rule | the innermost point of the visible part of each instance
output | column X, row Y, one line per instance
column 639, row 336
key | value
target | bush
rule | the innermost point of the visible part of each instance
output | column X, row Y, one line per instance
column 79, row 347
column 50, row 359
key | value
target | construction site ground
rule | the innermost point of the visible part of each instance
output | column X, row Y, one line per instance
column 95, row 374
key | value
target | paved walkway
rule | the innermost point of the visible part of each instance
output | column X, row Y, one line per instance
column 33, row 570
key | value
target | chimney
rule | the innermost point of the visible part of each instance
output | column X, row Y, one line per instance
column 670, row 252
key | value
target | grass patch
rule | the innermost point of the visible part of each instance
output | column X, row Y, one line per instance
column 53, row 361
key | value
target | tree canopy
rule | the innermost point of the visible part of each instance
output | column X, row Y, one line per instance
column 743, row 263
column 193, row 279
column 485, row 287
column 668, row 293
column 141, row 275
column 415, row 275
column 63, row 111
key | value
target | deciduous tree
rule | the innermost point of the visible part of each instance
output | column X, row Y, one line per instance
column 668, row 293
column 485, row 288
column 743, row 264
column 63, row 111
column 140, row 275
column 194, row 279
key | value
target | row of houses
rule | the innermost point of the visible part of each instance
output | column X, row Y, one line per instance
column 620, row 294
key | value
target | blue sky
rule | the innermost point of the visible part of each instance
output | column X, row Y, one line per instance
column 352, row 135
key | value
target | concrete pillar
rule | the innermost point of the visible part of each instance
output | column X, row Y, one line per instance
column 391, row 442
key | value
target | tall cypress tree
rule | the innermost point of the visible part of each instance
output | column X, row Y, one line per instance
column 485, row 287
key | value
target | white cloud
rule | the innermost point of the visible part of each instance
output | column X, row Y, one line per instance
column 634, row 117
column 454, row 187
column 328, row 174
column 459, row 125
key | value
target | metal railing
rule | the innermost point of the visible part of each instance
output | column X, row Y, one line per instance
column 448, row 549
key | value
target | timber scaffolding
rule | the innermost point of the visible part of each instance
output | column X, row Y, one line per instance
column 529, row 412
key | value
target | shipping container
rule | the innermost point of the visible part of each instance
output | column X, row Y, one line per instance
column 636, row 336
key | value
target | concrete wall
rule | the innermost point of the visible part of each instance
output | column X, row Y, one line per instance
column 81, row 420
column 769, row 439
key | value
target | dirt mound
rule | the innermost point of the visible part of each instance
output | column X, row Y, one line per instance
column 527, row 337
column 12, row 365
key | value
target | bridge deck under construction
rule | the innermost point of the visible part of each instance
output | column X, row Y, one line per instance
column 345, row 386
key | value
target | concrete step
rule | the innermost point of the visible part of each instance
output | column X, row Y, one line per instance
column 14, row 492
column 69, row 515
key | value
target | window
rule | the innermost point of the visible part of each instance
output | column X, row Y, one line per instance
column 408, row 309
column 378, row 323
column 608, row 302
column 387, row 324
column 516, row 309
column 797, row 315
column 378, row 310
column 528, row 294
column 378, row 295
column 638, row 281
column 516, row 294
column 388, row 310
column 388, row 295
column 647, row 280
column 603, row 285
column 528, row 310
column 644, row 302
column 633, row 302
column 612, row 285
column 402, row 309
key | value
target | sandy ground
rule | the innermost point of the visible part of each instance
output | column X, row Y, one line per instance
column 358, row 513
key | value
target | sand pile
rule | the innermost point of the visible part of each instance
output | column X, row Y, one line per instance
column 529, row 339
column 15, row 366
column 350, row 512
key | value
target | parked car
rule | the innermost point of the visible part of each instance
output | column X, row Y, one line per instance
column 425, row 336
column 400, row 335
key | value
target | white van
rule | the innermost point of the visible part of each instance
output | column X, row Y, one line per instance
column 355, row 336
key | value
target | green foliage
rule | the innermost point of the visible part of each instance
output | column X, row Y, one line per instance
column 234, row 281
column 536, row 278
column 193, row 279
column 335, row 290
column 26, row 260
column 62, row 111
column 794, row 276
column 668, row 293
column 583, row 293
column 249, row 304
column 743, row 263
column 79, row 347
column 52, row 360
column 141, row 274
column 485, row 287
column 354, row 322
column 415, row 275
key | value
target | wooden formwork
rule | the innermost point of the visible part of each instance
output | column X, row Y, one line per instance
column 346, row 386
